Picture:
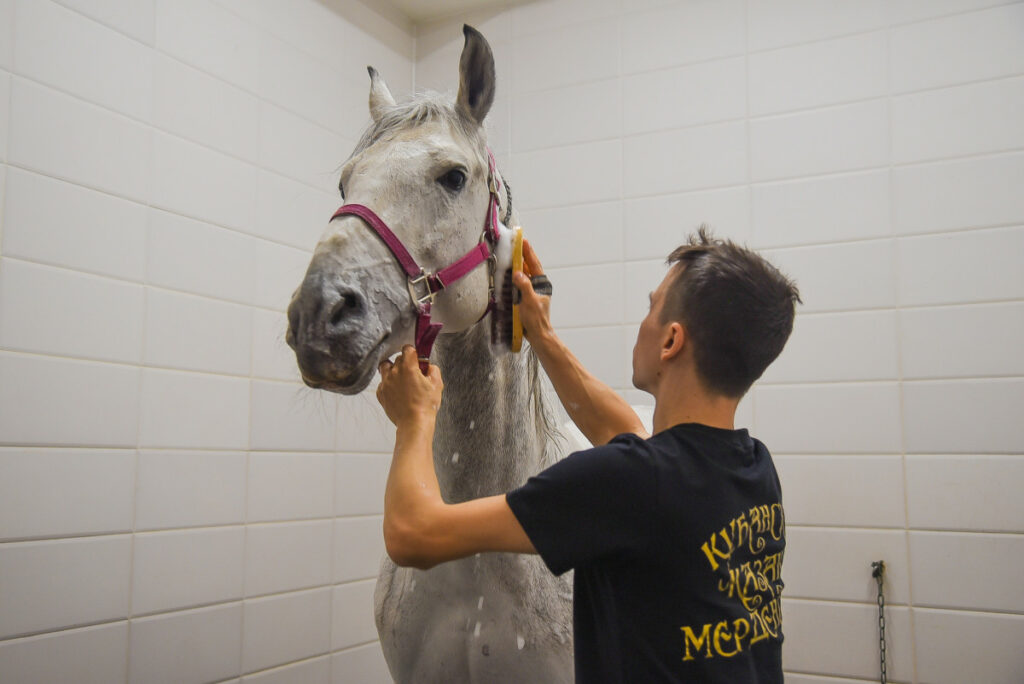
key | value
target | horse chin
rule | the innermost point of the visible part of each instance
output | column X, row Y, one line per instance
column 353, row 380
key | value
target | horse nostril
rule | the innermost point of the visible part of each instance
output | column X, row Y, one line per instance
column 294, row 324
column 350, row 304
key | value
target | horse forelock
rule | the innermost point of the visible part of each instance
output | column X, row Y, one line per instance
column 422, row 108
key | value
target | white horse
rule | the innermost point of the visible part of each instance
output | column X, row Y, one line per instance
column 422, row 167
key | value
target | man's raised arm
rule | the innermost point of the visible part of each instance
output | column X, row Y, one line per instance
column 598, row 410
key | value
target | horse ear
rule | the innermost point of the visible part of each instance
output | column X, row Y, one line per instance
column 476, row 76
column 380, row 96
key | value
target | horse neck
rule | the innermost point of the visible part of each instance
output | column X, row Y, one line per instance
column 488, row 417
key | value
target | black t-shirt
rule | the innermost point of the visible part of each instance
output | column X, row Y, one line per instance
column 677, row 545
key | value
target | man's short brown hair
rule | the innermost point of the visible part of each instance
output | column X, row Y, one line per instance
column 737, row 308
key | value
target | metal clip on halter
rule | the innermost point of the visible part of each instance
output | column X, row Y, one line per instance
column 423, row 278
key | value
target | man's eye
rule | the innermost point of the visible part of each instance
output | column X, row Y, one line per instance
column 453, row 180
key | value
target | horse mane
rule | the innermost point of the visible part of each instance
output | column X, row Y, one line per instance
column 430, row 106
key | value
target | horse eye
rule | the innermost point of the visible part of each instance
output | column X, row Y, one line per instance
column 453, row 180
column 341, row 189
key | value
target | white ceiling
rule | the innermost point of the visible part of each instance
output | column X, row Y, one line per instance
column 425, row 11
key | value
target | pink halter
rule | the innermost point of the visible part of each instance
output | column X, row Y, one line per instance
column 424, row 285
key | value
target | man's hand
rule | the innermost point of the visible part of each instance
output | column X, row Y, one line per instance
column 405, row 392
column 534, row 309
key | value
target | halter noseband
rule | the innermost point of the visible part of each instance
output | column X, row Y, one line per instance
column 425, row 285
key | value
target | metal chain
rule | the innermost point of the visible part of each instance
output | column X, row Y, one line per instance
column 878, row 572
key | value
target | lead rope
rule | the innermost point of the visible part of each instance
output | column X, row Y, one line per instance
column 878, row 572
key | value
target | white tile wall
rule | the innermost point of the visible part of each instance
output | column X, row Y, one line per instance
column 92, row 655
column 301, row 150
column 134, row 18
column 994, row 639
column 573, row 114
column 290, row 415
column 593, row 168
column 67, row 138
column 857, row 490
column 359, row 481
column 813, row 628
column 285, row 628
column 215, row 409
column 965, row 492
column 186, row 568
column 660, row 163
column 5, row 111
column 681, row 34
column 974, row 266
column 969, row 119
column 188, row 149
column 958, row 49
column 182, row 170
column 194, row 105
column 576, row 235
column 818, row 74
column 51, row 493
column 168, row 167
column 290, row 486
column 287, row 556
column 96, row 405
column 823, row 563
column 962, row 341
column 271, row 357
column 194, row 333
column 843, row 138
column 354, row 540
column 969, row 193
column 976, row 416
column 862, row 346
column 774, row 24
column 190, row 489
column 360, row 664
column 56, row 311
column 582, row 52
column 314, row 671
column 73, row 53
column 822, row 209
column 7, row 33
column 44, row 583
column 979, row 583
column 53, row 222
column 349, row 600
column 207, row 646
column 604, row 309
column 848, row 276
column 691, row 95
column 200, row 33
column 837, row 418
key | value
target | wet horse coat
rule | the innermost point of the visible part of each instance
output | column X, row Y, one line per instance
column 422, row 167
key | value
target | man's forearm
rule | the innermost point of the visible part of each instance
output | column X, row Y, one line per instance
column 598, row 410
column 412, row 490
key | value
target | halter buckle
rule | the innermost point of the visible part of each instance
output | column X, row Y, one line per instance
column 422, row 279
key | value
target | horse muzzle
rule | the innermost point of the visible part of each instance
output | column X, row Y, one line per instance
column 337, row 339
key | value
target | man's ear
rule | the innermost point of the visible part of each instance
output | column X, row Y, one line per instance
column 673, row 342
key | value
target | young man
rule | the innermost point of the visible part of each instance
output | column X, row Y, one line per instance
column 676, row 539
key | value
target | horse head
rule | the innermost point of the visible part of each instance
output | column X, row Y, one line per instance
column 422, row 167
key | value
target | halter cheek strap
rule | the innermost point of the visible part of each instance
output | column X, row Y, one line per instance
column 424, row 285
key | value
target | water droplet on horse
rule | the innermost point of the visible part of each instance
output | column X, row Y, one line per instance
column 472, row 424
column 480, row 604
column 520, row 642
column 476, row 630
column 412, row 586
column 455, row 457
